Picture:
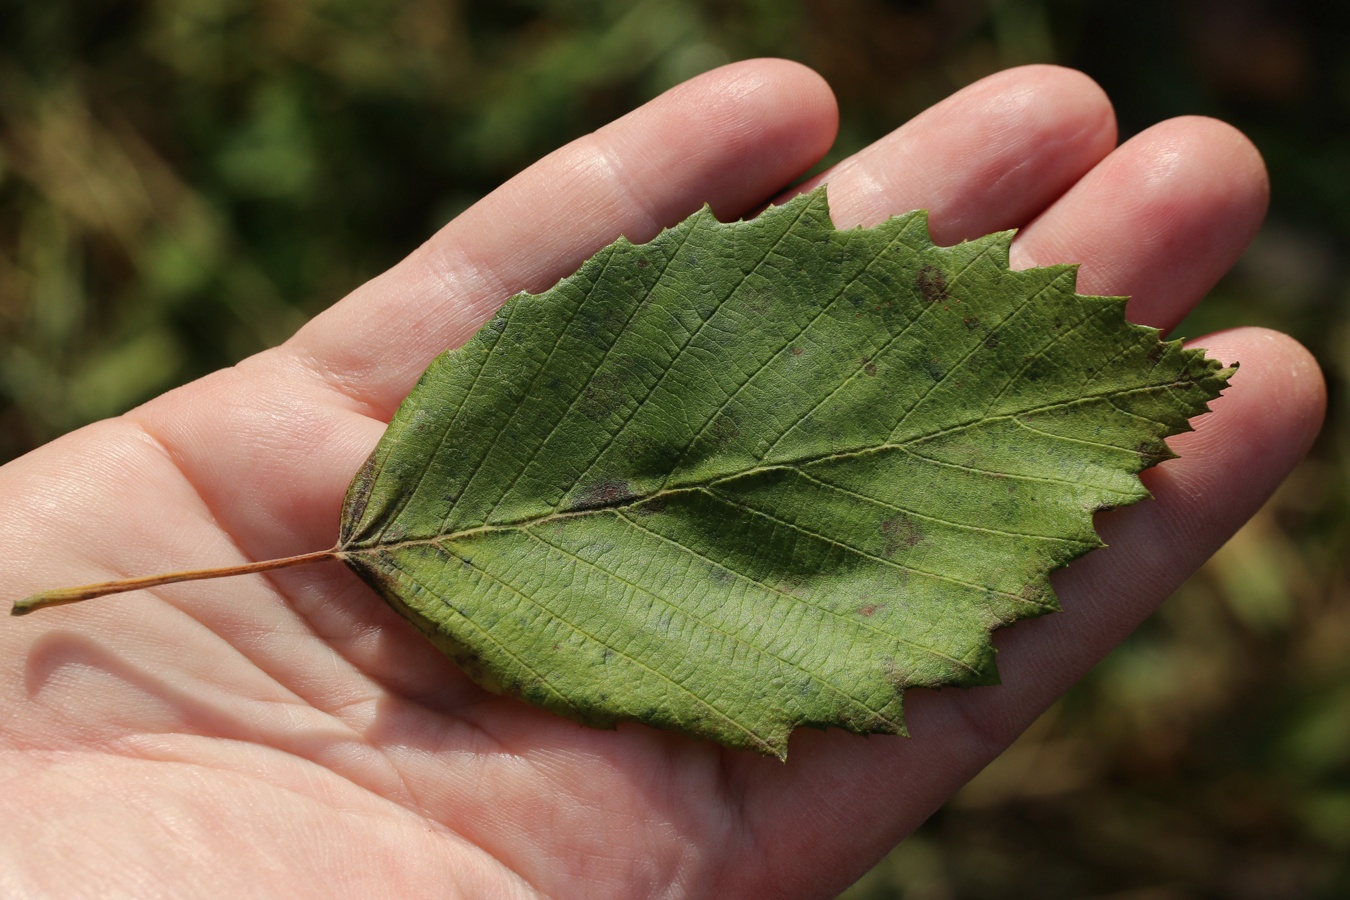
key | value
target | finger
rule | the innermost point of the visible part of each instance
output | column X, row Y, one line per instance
column 1190, row 192
column 728, row 138
column 990, row 157
column 860, row 796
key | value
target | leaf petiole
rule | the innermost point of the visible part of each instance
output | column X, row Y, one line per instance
column 62, row 596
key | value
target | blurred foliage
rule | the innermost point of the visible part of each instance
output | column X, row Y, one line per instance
column 183, row 183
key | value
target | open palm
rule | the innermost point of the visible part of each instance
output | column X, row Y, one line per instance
column 288, row 734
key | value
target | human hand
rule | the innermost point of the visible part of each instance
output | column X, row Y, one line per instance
column 289, row 734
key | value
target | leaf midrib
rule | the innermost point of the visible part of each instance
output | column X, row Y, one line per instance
column 785, row 465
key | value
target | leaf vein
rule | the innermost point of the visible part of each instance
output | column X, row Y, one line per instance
column 678, row 354
column 571, row 404
column 406, row 496
column 974, row 347
column 825, row 308
column 515, row 411
column 904, row 446
column 1032, row 358
column 1013, row 475
column 1072, row 440
column 911, row 512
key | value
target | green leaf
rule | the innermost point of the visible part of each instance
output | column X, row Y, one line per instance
column 753, row 476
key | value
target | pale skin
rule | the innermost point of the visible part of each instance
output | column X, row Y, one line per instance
column 287, row 734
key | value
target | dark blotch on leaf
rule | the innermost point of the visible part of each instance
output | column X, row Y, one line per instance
column 605, row 494
column 932, row 283
column 358, row 495
column 651, row 507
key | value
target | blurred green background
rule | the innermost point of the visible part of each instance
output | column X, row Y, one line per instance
column 183, row 183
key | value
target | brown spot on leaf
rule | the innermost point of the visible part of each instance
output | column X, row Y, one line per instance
column 900, row 531
column 932, row 283
column 1155, row 353
column 651, row 507
column 870, row 369
column 796, row 351
column 991, row 342
column 867, row 610
column 642, row 262
column 602, row 494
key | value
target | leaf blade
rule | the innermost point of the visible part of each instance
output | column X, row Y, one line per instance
column 758, row 475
